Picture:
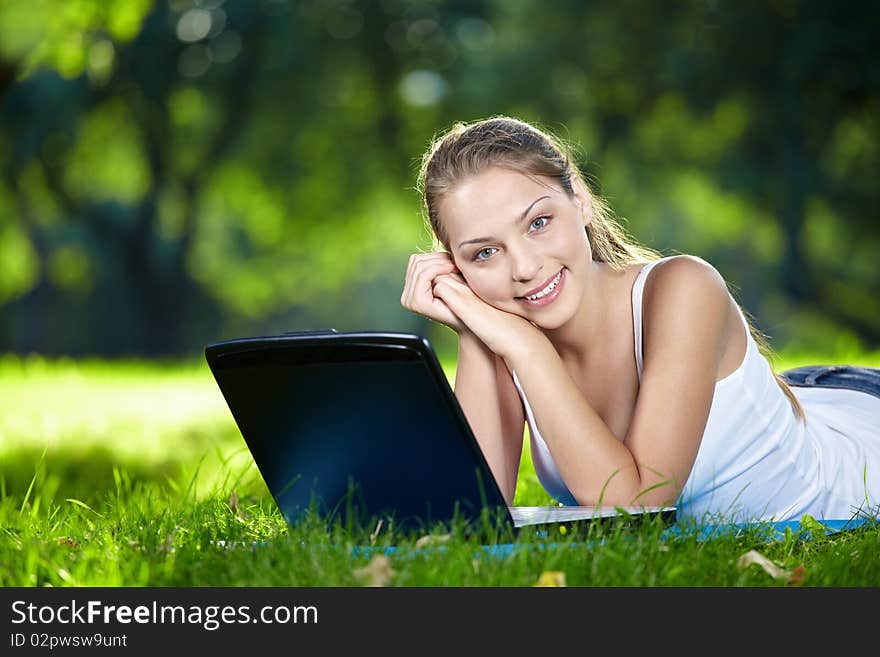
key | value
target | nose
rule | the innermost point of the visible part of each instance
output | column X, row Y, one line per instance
column 526, row 264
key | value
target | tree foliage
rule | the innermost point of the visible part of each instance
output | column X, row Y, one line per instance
column 175, row 172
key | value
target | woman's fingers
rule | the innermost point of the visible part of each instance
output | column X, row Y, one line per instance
column 420, row 276
column 452, row 289
column 452, row 278
column 418, row 293
column 418, row 261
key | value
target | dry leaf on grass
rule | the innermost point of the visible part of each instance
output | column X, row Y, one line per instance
column 753, row 556
column 235, row 506
column 551, row 578
column 233, row 502
column 376, row 573
column 797, row 576
column 794, row 577
column 432, row 539
column 376, row 531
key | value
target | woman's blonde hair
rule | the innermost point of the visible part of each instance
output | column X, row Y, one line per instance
column 501, row 141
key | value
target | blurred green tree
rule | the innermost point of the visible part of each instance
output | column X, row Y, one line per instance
column 175, row 172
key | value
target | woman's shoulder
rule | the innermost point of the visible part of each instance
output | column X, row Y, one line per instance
column 686, row 286
column 685, row 273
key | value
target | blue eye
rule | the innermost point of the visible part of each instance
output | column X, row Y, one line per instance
column 479, row 254
column 539, row 222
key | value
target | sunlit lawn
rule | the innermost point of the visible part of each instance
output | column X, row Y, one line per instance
column 135, row 474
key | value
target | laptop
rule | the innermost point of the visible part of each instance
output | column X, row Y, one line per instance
column 364, row 427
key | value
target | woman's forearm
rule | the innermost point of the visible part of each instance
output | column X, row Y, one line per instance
column 476, row 387
column 595, row 465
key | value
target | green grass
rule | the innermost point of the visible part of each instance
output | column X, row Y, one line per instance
column 134, row 474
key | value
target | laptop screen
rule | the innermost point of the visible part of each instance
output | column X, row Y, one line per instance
column 360, row 426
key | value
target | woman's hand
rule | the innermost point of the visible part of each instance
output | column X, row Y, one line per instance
column 504, row 333
column 418, row 290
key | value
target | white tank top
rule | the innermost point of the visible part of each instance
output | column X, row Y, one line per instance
column 757, row 460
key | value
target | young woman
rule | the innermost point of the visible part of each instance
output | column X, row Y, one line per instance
column 639, row 376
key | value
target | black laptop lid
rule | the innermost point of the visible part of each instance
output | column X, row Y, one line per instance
column 365, row 425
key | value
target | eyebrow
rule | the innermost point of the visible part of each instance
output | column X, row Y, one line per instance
column 521, row 217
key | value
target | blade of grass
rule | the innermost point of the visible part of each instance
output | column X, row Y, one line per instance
column 30, row 489
column 83, row 505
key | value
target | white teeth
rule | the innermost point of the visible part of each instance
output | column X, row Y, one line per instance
column 547, row 290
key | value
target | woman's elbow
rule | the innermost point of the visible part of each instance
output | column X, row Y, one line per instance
column 627, row 490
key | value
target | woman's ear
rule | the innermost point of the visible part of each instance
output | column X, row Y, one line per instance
column 583, row 199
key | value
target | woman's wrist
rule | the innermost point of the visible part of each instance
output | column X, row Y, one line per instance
column 468, row 341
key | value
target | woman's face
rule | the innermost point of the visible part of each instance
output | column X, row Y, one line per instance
column 520, row 243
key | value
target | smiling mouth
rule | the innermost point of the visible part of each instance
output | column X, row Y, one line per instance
column 547, row 289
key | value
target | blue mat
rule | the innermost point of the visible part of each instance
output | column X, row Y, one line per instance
column 806, row 529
